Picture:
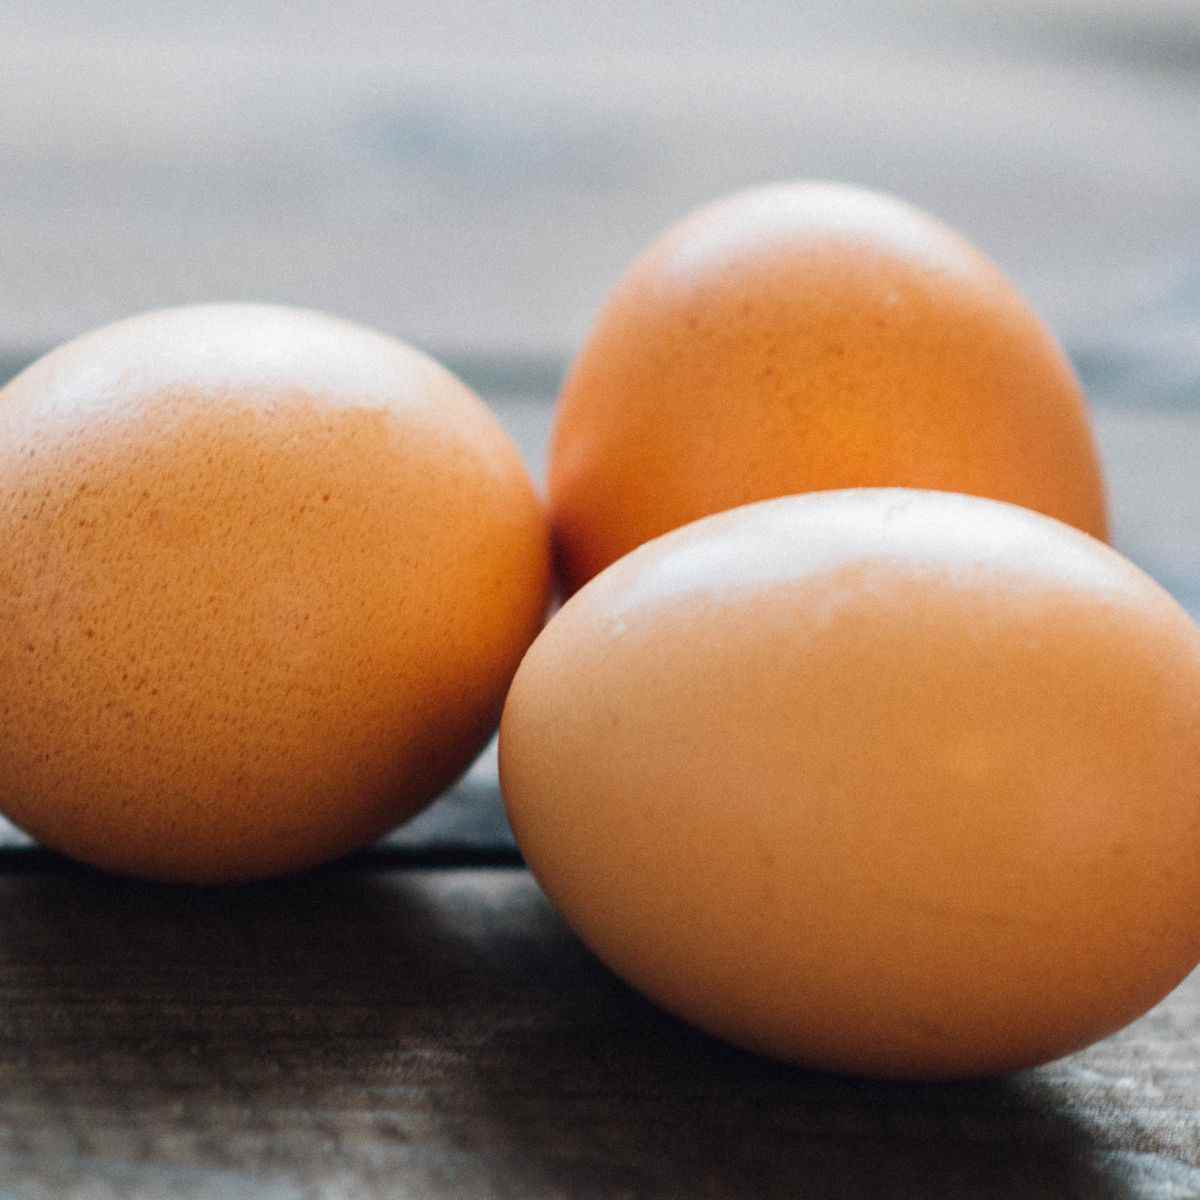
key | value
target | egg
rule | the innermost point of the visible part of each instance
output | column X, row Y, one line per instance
column 804, row 337
column 884, row 781
column 265, row 576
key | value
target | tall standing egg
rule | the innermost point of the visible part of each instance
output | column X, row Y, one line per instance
column 807, row 337
column 265, row 576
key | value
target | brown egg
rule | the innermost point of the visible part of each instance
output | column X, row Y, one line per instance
column 890, row 782
column 264, row 578
column 806, row 337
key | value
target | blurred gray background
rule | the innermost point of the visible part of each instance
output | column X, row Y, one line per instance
column 474, row 176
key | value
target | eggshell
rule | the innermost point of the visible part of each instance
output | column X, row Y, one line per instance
column 890, row 782
column 810, row 336
column 265, row 576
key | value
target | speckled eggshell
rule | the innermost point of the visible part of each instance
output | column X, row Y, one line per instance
column 264, row 578
column 889, row 782
column 810, row 336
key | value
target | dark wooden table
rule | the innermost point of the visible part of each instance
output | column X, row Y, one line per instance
column 383, row 1031
column 416, row 1021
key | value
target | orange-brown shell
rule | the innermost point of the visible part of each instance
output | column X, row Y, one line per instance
column 893, row 782
column 805, row 337
column 264, row 578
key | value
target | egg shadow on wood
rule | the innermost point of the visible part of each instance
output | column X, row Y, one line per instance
column 602, row 1094
column 315, row 1026
column 443, row 1027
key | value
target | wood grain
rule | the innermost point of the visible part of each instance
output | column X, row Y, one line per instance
column 366, row 1034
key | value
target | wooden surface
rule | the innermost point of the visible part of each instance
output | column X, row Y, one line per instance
column 375, row 1033
column 416, row 1021
column 474, row 175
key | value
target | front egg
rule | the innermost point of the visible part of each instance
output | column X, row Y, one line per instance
column 890, row 782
